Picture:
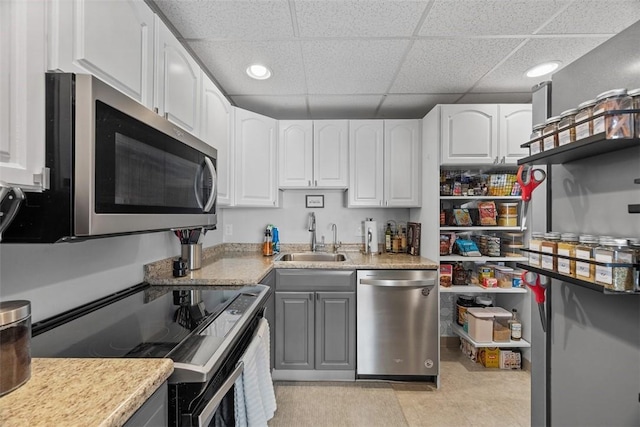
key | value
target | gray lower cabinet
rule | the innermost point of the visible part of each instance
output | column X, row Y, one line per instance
column 315, row 321
column 154, row 412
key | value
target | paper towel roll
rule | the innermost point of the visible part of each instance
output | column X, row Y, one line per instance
column 370, row 236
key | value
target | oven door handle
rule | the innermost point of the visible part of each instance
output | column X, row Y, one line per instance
column 211, row 407
column 399, row 283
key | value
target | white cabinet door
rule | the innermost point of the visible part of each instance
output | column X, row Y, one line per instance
column 469, row 134
column 331, row 153
column 295, row 153
column 515, row 128
column 402, row 163
column 366, row 152
column 255, row 148
column 22, row 93
column 113, row 40
column 216, row 129
column 177, row 81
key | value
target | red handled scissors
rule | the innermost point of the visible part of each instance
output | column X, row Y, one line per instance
column 538, row 285
column 529, row 179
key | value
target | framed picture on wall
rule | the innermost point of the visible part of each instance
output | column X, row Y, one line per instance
column 314, row 201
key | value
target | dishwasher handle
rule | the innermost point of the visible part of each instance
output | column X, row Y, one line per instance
column 396, row 283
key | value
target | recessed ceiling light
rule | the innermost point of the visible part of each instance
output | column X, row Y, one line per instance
column 258, row 72
column 542, row 69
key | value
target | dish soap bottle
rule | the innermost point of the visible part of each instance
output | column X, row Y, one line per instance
column 515, row 326
column 276, row 240
column 267, row 249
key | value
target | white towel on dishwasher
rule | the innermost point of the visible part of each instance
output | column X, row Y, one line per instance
column 255, row 399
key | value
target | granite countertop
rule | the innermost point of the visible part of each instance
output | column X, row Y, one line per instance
column 87, row 392
column 231, row 266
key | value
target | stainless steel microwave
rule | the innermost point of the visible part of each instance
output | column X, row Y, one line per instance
column 115, row 167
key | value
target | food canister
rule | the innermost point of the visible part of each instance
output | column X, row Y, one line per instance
column 620, row 276
column 550, row 133
column 15, row 344
column 566, row 128
column 536, row 142
column 567, row 247
column 508, row 208
column 635, row 96
column 586, row 270
column 462, row 304
column 615, row 126
column 508, row 221
column 583, row 121
column 549, row 249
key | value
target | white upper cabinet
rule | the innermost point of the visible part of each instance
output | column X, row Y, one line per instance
column 366, row 163
column 313, row 154
column 384, row 158
column 515, row 130
column 469, row 134
column 255, row 160
column 177, row 81
column 481, row 134
column 295, row 153
column 112, row 40
column 216, row 129
column 22, row 93
column 331, row 153
column 402, row 157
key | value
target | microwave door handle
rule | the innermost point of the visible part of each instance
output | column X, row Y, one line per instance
column 214, row 185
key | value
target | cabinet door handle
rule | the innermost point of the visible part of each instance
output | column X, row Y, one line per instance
column 309, row 185
column 316, row 182
column 166, row 115
column 495, row 161
column 504, row 160
column 317, row 297
column 155, row 110
column 310, row 297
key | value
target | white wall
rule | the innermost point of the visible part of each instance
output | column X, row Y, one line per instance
column 58, row 277
column 291, row 218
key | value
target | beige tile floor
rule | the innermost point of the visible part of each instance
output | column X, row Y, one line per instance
column 469, row 395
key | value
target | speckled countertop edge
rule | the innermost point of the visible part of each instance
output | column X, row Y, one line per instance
column 83, row 392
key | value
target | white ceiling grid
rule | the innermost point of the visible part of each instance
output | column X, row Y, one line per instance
column 387, row 58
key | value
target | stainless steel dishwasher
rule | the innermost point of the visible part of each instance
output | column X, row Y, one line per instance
column 397, row 324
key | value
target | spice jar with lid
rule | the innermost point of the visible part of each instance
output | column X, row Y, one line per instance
column 635, row 96
column 536, row 139
column 566, row 128
column 534, row 244
column 584, row 123
column 549, row 249
column 634, row 244
column 15, row 339
column 585, row 250
column 567, row 247
column 549, row 133
column 620, row 276
column 618, row 125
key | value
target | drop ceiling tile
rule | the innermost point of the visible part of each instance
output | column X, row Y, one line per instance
column 351, row 66
column 358, row 18
column 496, row 98
column 491, row 17
column 412, row 106
column 450, row 65
column 509, row 76
column 277, row 107
column 595, row 17
column 343, row 107
column 228, row 62
column 237, row 19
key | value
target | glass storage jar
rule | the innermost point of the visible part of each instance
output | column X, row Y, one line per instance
column 534, row 244
column 634, row 244
column 566, row 128
column 549, row 133
column 619, row 278
column 586, row 270
column 615, row 126
column 567, row 247
column 536, row 134
column 584, row 126
column 549, row 249
column 635, row 95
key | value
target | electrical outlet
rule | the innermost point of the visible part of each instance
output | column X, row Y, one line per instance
column 228, row 229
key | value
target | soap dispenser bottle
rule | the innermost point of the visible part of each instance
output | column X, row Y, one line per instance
column 267, row 249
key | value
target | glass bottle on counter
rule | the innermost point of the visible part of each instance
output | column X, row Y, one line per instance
column 515, row 326
column 619, row 278
column 534, row 244
column 267, row 248
column 387, row 238
column 585, row 250
column 584, row 126
column 549, row 249
column 567, row 247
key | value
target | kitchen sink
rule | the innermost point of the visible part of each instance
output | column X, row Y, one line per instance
column 312, row 256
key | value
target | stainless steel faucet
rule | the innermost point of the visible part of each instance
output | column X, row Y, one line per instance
column 312, row 229
column 336, row 244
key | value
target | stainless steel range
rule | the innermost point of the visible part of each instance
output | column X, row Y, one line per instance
column 205, row 333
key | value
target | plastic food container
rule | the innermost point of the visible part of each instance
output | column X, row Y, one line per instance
column 15, row 344
column 508, row 221
column 504, row 276
column 508, row 208
column 615, row 126
column 584, row 126
column 536, row 134
column 566, row 128
column 635, row 95
column 549, row 133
